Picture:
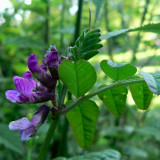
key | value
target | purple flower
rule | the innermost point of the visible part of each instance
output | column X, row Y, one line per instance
column 28, row 129
column 24, row 87
column 40, row 72
column 52, row 61
column 26, row 90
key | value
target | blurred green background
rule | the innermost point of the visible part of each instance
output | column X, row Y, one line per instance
column 30, row 26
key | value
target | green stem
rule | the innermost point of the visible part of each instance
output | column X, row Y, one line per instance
column 29, row 154
column 117, row 84
column 47, row 140
column 51, row 129
column 30, row 143
column 63, row 93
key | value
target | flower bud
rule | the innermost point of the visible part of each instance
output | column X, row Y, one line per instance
column 53, row 62
column 43, row 96
column 40, row 72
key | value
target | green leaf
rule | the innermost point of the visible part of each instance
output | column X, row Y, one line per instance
column 117, row 71
column 108, row 154
column 114, row 33
column 10, row 139
column 153, row 81
column 83, row 119
column 146, row 28
column 79, row 77
column 115, row 99
column 86, row 46
column 141, row 94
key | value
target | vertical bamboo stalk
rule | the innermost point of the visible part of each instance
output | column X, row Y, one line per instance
column 46, row 31
column 78, row 20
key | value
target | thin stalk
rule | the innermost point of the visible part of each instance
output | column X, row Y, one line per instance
column 107, row 22
column 63, row 93
column 78, row 20
column 63, row 150
column 138, row 38
column 47, row 140
column 46, row 33
column 62, row 23
column 29, row 154
column 90, row 18
column 120, row 83
column 29, row 149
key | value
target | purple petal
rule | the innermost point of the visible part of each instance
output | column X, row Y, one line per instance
column 36, row 119
column 28, row 75
column 24, row 86
column 13, row 96
column 40, row 115
column 23, row 99
column 44, row 61
column 52, row 57
column 33, row 63
column 27, row 133
column 43, row 67
column 20, row 124
column 53, row 62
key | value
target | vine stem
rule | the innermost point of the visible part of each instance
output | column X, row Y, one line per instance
column 51, row 129
column 117, row 84
column 47, row 140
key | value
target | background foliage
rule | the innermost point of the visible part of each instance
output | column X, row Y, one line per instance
column 31, row 26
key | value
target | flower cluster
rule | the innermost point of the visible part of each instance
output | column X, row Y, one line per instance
column 30, row 91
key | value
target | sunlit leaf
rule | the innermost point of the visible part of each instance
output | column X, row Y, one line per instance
column 114, row 33
column 153, row 81
column 146, row 28
column 141, row 94
column 83, row 119
column 86, row 46
column 152, row 27
column 79, row 77
column 115, row 99
column 118, row 71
